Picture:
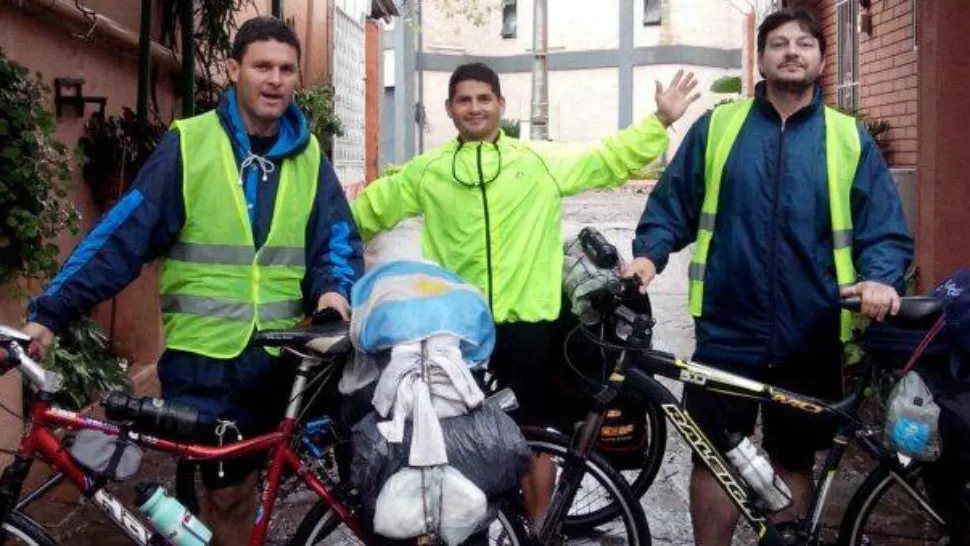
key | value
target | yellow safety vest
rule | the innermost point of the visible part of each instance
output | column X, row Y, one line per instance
column 216, row 288
column 842, row 152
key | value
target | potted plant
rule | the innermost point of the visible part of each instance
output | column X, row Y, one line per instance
column 114, row 148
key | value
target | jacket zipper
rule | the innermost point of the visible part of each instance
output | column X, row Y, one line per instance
column 773, row 290
column 488, row 230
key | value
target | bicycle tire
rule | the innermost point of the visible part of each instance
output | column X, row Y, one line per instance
column 320, row 522
column 867, row 497
column 625, row 502
column 652, row 460
column 25, row 531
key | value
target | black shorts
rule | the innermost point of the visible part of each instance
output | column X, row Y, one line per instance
column 252, row 390
column 790, row 437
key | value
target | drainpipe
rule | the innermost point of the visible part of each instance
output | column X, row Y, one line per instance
column 144, row 59
column 539, row 126
column 421, row 112
column 187, row 23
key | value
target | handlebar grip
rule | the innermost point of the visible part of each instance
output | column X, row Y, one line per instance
column 853, row 303
column 324, row 316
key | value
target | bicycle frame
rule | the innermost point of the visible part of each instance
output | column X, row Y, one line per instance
column 39, row 440
column 635, row 379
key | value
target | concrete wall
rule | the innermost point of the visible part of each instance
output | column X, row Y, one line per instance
column 944, row 115
column 708, row 23
column 602, row 62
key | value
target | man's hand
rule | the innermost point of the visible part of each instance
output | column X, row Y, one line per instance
column 643, row 268
column 672, row 103
column 354, row 189
column 335, row 301
column 42, row 338
column 877, row 299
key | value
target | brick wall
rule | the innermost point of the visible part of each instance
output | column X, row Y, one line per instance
column 888, row 65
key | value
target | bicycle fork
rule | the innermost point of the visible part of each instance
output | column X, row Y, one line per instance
column 573, row 469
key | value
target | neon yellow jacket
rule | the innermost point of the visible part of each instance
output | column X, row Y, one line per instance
column 492, row 211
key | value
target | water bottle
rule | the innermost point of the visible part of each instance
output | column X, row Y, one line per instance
column 758, row 473
column 169, row 518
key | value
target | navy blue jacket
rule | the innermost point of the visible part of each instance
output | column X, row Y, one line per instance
column 147, row 221
column 770, row 290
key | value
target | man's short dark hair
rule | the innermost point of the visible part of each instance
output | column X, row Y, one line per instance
column 261, row 29
column 803, row 16
column 479, row 72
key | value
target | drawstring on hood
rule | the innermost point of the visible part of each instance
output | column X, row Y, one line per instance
column 265, row 166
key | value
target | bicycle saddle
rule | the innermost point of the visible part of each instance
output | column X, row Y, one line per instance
column 917, row 312
column 329, row 339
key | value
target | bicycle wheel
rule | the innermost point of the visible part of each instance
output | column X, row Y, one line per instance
column 595, row 512
column 629, row 526
column 321, row 526
column 891, row 509
column 21, row 530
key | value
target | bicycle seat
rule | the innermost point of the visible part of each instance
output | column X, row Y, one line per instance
column 329, row 339
column 917, row 312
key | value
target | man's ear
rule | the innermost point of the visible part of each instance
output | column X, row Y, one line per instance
column 234, row 70
column 448, row 109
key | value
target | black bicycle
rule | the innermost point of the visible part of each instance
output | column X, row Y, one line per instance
column 893, row 505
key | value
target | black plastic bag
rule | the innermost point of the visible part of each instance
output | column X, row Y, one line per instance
column 486, row 446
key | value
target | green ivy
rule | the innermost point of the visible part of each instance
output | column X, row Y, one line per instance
column 87, row 365
column 511, row 127
column 36, row 172
column 727, row 84
column 316, row 102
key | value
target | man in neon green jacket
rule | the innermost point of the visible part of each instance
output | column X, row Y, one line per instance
column 492, row 214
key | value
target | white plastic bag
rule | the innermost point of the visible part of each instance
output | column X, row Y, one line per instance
column 580, row 277
column 913, row 420
column 409, row 504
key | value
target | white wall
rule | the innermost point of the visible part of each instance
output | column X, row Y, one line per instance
column 708, row 23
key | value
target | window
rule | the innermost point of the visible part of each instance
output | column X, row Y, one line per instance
column 847, row 70
column 651, row 12
column 508, row 19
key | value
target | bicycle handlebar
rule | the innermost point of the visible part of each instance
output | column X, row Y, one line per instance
column 14, row 355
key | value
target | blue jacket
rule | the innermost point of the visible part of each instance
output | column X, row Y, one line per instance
column 146, row 222
column 770, row 290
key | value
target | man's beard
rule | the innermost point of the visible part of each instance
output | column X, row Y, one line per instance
column 794, row 86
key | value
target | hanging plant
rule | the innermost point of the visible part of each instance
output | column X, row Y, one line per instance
column 36, row 171
column 316, row 102
column 114, row 149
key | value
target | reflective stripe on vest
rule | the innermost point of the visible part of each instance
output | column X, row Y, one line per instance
column 216, row 288
column 842, row 151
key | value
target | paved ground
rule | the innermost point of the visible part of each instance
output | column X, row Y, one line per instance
column 613, row 213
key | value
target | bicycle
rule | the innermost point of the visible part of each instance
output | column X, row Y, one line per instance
column 894, row 478
column 336, row 507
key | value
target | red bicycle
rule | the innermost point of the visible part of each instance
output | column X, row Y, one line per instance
column 295, row 446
